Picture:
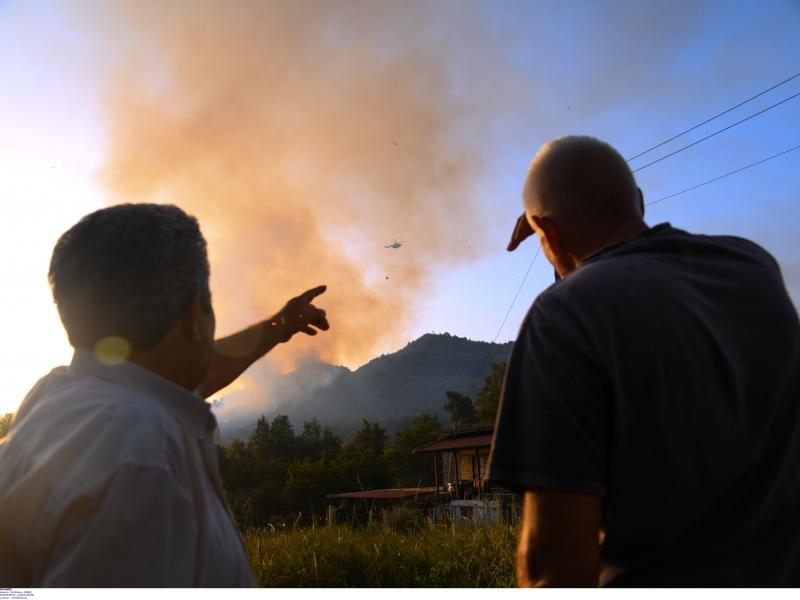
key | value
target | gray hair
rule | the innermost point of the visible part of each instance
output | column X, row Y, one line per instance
column 128, row 271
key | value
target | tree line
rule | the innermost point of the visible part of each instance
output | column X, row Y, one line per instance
column 281, row 475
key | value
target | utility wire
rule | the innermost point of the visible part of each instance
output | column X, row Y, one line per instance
column 658, row 160
column 519, row 289
column 694, row 187
column 724, row 112
column 739, row 170
column 486, row 360
column 530, row 266
column 394, row 358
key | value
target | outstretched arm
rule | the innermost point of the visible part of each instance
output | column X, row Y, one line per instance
column 234, row 353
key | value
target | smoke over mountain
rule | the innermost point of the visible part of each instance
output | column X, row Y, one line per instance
column 304, row 136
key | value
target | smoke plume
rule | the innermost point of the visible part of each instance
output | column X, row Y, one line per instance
column 305, row 136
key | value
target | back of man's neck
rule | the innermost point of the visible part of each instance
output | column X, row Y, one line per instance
column 622, row 233
column 157, row 363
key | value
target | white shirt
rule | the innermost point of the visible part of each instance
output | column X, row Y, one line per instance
column 109, row 478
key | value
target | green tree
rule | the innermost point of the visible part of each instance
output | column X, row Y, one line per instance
column 460, row 408
column 5, row 424
column 317, row 442
column 239, row 467
column 311, row 440
column 266, row 498
column 307, row 485
column 370, row 437
column 489, row 397
column 259, row 439
column 409, row 469
column 282, row 438
column 330, row 443
column 274, row 440
column 360, row 469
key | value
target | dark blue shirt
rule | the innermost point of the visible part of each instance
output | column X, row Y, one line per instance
column 664, row 376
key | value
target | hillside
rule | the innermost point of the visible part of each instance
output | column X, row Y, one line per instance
column 389, row 389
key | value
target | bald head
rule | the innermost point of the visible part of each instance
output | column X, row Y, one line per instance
column 580, row 196
column 580, row 181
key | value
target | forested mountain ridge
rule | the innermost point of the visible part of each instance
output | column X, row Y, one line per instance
column 389, row 389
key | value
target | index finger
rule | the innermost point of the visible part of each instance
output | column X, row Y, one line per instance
column 309, row 295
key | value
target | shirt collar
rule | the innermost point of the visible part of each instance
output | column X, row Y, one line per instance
column 650, row 231
column 188, row 407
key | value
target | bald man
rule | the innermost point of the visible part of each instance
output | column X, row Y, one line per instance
column 650, row 411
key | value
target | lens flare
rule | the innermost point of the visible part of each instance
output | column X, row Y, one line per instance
column 112, row 350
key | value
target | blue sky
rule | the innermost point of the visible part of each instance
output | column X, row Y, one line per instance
column 632, row 73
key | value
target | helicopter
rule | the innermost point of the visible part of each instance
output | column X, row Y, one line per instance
column 395, row 244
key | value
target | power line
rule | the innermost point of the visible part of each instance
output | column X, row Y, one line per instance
column 530, row 266
column 519, row 289
column 658, row 160
column 795, row 76
column 739, row 170
column 487, row 357
column 724, row 112
column 391, row 361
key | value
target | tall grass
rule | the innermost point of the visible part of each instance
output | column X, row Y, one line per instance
column 381, row 556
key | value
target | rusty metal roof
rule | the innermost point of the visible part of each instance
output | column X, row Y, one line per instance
column 391, row 494
column 461, row 442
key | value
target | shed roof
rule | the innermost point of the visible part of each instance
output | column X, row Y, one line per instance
column 390, row 494
column 462, row 442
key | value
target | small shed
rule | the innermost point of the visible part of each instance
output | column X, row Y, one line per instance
column 461, row 461
column 461, row 465
column 461, row 494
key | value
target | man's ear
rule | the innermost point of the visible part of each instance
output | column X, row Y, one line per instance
column 641, row 201
column 548, row 236
column 191, row 320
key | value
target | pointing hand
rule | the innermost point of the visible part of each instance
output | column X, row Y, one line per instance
column 300, row 314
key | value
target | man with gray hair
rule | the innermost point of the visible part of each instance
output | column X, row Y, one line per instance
column 108, row 476
column 650, row 409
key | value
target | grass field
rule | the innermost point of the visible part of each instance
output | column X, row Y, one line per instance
column 379, row 556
